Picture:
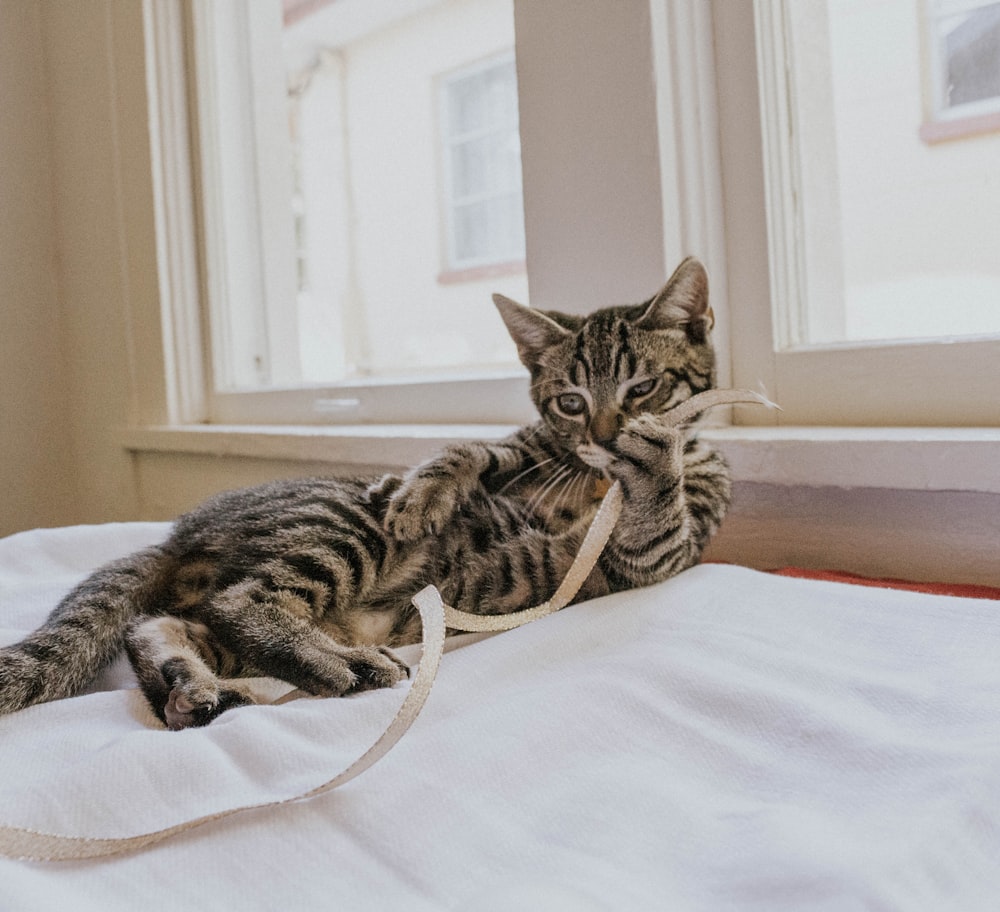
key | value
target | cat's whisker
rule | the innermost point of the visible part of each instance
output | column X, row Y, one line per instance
column 539, row 497
column 565, row 494
column 581, row 490
column 560, row 493
column 537, row 429
column 526, row 472
column 556, row 493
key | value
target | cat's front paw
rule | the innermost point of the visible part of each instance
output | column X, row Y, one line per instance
column 419, row 508
column 649, row 447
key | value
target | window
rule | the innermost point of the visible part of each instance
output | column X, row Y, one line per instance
column 337, row 211
column 773, row 201
column 893, row 240
column 482, row 154
column 963, row 54
column 881, row 250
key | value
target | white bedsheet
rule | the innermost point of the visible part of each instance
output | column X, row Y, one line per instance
column 728, row 740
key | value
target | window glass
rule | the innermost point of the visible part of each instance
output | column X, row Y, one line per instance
column 899, row 237
column 384, row 139
column 483, row 165
column 966, row 36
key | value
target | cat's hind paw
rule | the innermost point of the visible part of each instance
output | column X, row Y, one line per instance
column 181, row 711
column 376, row 667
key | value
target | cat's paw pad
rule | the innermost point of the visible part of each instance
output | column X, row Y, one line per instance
column 182, row 712
column 187, row 710
column 419, row 509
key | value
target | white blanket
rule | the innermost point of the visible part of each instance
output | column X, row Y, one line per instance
column 727, row 740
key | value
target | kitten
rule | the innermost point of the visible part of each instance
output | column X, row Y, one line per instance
column 310, row 581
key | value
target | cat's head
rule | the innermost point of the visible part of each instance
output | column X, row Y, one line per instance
column 590, row 374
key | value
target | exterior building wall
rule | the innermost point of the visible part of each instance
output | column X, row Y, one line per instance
column 370, row 157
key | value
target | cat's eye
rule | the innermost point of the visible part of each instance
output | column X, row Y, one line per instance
column 571, row 404
column 643, row 388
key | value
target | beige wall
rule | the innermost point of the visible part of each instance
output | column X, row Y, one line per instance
column 36, row 463
column 90, row 182
column 77, row 257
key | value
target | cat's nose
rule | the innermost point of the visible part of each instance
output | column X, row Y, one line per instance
column 605, row 426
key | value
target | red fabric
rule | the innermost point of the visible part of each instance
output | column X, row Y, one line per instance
column 962, row 590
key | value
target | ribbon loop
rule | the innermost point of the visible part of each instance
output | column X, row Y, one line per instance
column 27, row 844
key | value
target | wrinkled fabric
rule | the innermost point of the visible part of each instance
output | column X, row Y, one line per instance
column 727, row 740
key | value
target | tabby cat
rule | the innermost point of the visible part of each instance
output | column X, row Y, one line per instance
column 310, row 581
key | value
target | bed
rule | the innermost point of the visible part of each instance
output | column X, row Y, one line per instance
column 727, row 740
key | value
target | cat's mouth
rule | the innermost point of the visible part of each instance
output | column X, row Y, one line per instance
column 594, row 456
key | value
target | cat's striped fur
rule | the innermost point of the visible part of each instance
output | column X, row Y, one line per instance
column 310, row 581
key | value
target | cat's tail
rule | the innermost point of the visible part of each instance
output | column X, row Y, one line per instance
column 82, row 635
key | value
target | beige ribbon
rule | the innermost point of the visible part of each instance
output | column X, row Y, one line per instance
column 26, row 844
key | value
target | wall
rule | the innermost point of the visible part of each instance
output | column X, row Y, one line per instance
column 96, row 98
column 36, row 465
column 948, row 536
column 375, row 234
column 78, row 260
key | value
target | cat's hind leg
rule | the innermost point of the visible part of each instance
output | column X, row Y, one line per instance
column 177, row 663
column 273, row 627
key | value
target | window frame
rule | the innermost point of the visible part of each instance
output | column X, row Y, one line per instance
column 498, row 259
column 264, row 239
column 712, row 201
column 944, row 121
column 918, row 383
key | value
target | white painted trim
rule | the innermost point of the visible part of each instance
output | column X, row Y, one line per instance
column 943, row 382
column 502, row 398
column 690, row 159
column 245, row 189
column 174, row 210
column 909, row 459
column 378, row 446
column 782, row 180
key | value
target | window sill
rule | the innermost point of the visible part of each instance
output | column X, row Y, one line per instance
column 905, row 458
column 937, row 131
column 481, row 273
column 381, row 446
column 925, row 459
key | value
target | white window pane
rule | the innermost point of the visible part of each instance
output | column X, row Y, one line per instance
column 972, row 55
column 895, row 239
column 366, row 218
column 484, row 163
column 482, row 100
column 493, row 227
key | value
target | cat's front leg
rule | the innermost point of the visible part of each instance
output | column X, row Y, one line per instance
column 675, row 492
column 432, row 493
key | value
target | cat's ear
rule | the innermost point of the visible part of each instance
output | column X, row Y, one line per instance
column 531, row 330
column 682, row 303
